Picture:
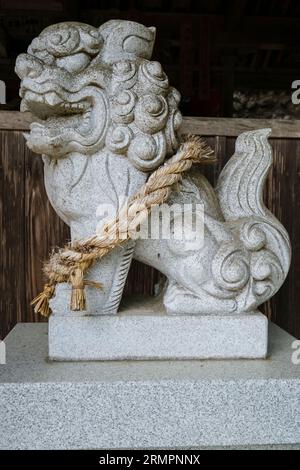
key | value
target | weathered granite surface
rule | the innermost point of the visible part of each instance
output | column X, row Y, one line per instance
column 143, row 330
column 146, row 404
column 108, row 116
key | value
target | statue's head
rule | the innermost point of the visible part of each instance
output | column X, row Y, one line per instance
column 97, row 89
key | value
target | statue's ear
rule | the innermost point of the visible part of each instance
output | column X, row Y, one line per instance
column 153, row 30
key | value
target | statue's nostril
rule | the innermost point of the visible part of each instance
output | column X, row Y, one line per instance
column 27, row 66
column 32, row 73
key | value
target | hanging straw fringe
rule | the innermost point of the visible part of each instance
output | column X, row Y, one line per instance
column 78, row 295
column 71, row 263
column 41, row 301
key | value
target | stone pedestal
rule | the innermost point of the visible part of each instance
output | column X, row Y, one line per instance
column 142, row 330
column 146, row 404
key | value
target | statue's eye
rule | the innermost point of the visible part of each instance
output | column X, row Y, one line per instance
column 74, row 63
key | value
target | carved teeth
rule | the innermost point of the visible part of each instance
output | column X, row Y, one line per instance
column 81, row 106
column 53, row 99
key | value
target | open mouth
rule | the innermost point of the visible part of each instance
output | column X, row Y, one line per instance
column 67, row 121
column 53, row 111
column 51, row 103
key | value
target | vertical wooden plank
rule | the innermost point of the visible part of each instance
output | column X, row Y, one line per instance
column 283, row 199
column 230, row 148
column 142, row 279
column 12, row 293
column 211, row 172
column 44, row 230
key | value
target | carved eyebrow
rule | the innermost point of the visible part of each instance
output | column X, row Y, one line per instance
column 127, row 46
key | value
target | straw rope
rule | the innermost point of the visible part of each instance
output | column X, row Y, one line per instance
column 69, row 264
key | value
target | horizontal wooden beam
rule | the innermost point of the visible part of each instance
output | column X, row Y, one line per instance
column 231, row 127
column 15, row 120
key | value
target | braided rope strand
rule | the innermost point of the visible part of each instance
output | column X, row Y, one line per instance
column 69, row 264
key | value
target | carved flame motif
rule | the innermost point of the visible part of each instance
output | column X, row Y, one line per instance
column 246, row 253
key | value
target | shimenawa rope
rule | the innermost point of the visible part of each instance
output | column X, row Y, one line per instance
column 69, row 264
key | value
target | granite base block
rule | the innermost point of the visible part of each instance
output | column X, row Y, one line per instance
column 145, row 331
column 146, row 404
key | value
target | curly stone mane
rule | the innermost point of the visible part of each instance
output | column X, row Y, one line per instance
column 103, row 82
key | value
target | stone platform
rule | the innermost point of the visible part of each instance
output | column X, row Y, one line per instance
column 146, row 404
column 144, row 331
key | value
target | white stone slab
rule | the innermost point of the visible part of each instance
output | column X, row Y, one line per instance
column 147, row 332
column 146, row 404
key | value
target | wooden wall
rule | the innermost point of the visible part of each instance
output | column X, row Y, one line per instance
column 30, row 227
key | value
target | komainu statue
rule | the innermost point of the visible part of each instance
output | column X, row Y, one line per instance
column 107, row 118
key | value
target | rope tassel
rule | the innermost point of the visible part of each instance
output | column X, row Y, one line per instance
column 78, row 301
column 41, row 301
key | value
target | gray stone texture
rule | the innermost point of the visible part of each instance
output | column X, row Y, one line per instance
column 143, row 330
column 146, row 404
